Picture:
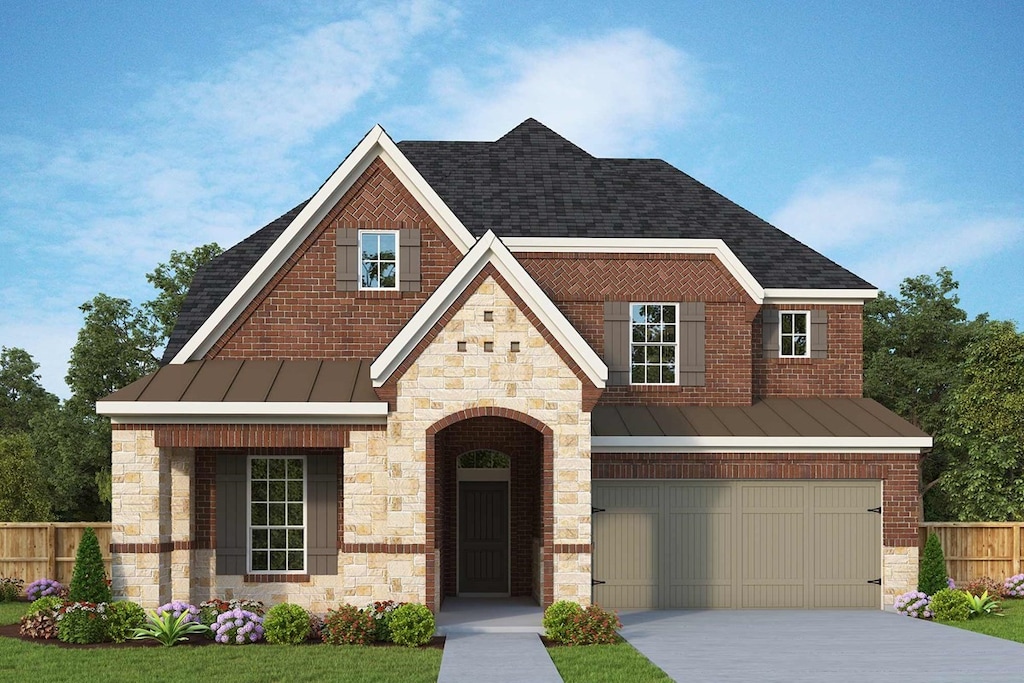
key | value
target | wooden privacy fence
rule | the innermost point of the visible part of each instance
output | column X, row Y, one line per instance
column 42, row 550
column 975, row 549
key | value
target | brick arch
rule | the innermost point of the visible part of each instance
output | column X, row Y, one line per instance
column 435, row 525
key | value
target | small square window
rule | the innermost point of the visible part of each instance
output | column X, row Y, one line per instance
column 461, row 346
column 488, row 316
column 378, row 260
column 514, row 347
column 489, row 346
column 794, row 334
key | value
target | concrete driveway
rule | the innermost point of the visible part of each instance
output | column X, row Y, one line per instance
column 803, row 645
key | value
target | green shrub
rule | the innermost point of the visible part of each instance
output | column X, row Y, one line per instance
column 412, row 625
column 82, row 622
column 556, row 618
column 122, row 620
column 286, row 624
column 348, row 625
column 382, row 611
column 10, row 589
column 950, row 604
column 49, row 604
column 89, row 579
column 932, row 575
column 592, row 626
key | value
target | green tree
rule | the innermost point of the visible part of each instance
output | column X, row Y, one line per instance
column 21, row 394
column 114, row 348
column 987, row 425
column 931, row 578
column 89, row 577
column 24, row 494
column 172, row 280
column 914, row 346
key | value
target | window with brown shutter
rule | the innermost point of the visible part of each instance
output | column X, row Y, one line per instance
column 371, row 260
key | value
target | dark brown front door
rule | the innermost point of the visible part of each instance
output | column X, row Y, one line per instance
column 483, row 537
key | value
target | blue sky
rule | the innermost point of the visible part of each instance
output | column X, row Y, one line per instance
column 889, row 136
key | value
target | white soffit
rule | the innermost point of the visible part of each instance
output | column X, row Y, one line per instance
column 758, row 444
column 489, row 249
column 374, row 144
column 717, row 247
column 241, row 412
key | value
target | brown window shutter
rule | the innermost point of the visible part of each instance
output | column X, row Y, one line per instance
column 691, row 343
column 347, row 243
column 616, row 342
column 409, row 260
column 819, row 334
column 770, row 332
column 322, row 515
column 231, row 515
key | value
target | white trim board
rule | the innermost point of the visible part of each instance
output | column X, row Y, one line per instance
column 374, row 144
column 716, row 247
column 759, row 444
column 242, row 412
column 488, row 249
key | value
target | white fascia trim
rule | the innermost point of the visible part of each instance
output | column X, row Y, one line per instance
column 819, row 296
column 623, row 245
column 488, row 249
column 374, row 144
column 241, row 412
column 758, row 444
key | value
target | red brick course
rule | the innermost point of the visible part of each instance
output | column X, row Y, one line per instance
column 897, row 471
column 251, row 435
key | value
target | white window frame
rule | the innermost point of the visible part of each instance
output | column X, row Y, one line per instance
column 794, row 335
column 359, row 248
column 675, row 344
column 248, row 515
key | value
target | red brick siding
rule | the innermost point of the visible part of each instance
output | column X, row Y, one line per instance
column 839, row 375
column 298, row 314
column 251, row 435
column 898, row 473
column 524, row 447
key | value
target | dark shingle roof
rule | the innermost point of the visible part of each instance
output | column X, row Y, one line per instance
column 216, row 279
column 534, row 183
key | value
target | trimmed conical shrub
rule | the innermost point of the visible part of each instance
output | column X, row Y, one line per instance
column 89, row 579
column 932, row 575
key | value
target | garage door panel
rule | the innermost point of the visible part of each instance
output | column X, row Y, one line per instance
column 705, row 544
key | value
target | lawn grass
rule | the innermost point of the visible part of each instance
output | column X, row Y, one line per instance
column 1010, row 627
column 20, row 660
column 610, row 663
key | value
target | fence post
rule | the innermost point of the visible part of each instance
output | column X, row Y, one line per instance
column 1016, row 548
column 51, row 551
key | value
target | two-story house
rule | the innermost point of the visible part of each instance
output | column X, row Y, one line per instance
column 512, row 368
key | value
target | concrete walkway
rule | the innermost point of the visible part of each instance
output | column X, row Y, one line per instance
column 796, row 646
column 496, row 658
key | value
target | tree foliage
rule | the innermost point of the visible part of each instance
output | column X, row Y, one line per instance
column 914, row 348
column 24, row 494
column 987, row 425
column 21, row 394
column 172, row 280
column 89, row 577
column 932, row 575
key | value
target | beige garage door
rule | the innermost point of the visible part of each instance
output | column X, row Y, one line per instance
column 737, row 544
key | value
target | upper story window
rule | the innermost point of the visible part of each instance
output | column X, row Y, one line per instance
column 277, row 514
column 654, row 343
column 378, row 260
column 794, row 334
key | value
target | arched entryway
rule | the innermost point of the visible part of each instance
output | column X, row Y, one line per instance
column 516, row 500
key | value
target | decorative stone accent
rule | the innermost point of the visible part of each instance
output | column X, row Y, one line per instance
column 899, row 572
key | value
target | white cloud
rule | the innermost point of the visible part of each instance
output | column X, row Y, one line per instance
column 202, row 159
column 877, row 223
column 610, row 94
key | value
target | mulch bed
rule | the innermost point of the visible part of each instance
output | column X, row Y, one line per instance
column 11, row 631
